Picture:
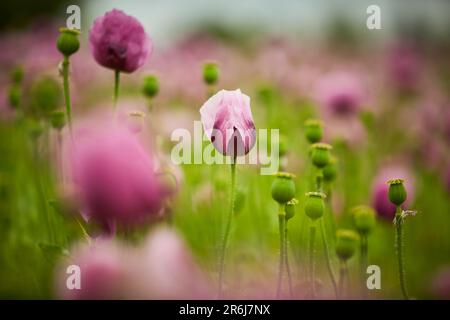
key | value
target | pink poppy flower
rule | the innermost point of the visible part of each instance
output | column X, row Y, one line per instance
column 119, row 42
column 228, row 122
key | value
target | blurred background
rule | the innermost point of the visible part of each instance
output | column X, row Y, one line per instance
column 291, row 57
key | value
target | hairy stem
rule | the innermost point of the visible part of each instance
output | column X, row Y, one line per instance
column 282, row 223
column 227, row 227
column 327, row 257
column 312, row 235
column 399, row 247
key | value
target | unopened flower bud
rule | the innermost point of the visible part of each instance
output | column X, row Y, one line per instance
column 289, row 209
column 283, row 187
column 210, row 73
column 320, row 154
column 313, row 130
column 397, row 191
column 330, row 170
column 364, row 219
column 315, row 205
column 151, row 86
column 346, row 243
column 58, row 119
column 68, row 42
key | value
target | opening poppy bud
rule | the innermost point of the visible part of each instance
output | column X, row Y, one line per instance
column 364, row 219
column 283, row 187
column 14, row 95
column 314, row 205
column 330, row 170
column 320, row 154
column 58, row 119
column 17, row 75
column 289, row 208
column 397, row 191
column 313, row 130
column 68, row 42
column 151, row 86
column 210, row 73
column 346, row 243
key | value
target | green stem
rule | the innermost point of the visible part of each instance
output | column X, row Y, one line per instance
column 342, row 276
column 282, row 223
column 327, row 257
column 312, row 235
column 116, row 87
column 286, row 260
column 228, row 227
column 399, row 247
column 65, row 65
column 363, row 264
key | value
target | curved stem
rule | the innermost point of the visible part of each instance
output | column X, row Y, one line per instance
column 363, row 264
column 327, row 257
column 399, row 247
column 227, row 228
column 116, row 87
column 312, row 235
column 65, row 72
column 286, row 260
column 282, row 223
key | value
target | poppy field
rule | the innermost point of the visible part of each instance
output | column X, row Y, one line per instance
column 227, row 164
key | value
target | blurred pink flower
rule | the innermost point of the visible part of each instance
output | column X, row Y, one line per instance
column 342, row 93
column 115, row 175
column 228, row 122
column 404, row 66
column 380, row 199
column 101, row 272
column 440, row 285
column 119, row 42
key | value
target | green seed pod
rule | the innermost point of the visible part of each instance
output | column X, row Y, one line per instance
column 68, row 42
column 313, row 130
column 151, row 86
column 364, row 219
column 210, row 73
column 330, row 170
column 17, row 75
column 289, row 208
column 346, row 243
column 320, row 154
column 315, row 205
column 283, row 187
column 397, row 191
column 58, row 119
column 45, row 96
column 15, row 94
column 239, row 200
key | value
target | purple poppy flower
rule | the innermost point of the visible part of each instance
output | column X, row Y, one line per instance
column 228, row 122
column 115, row 176
column 341, row 93
column 119, row 42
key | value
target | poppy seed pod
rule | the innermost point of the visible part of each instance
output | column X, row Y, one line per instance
column 364, row 219
column 330, row 170
column 68, row 42
column 313, row 130
column 151, row 86
column 320, row 154
column 289, row 209
column 346, row 243
column 210, row 73
column 314, row 205
column 397, row 191
column 58, row 119
column 283, row 187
